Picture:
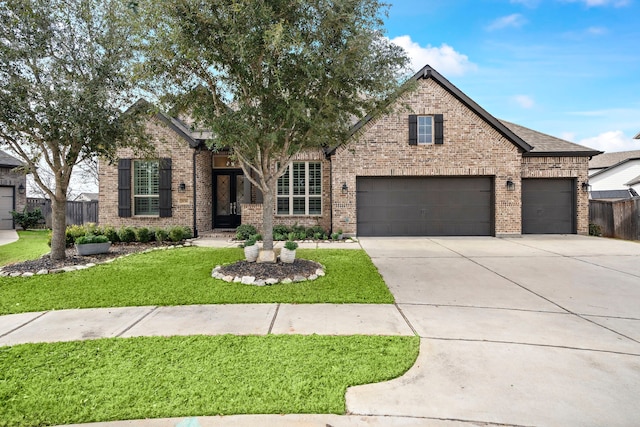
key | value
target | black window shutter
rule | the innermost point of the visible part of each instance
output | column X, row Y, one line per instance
column 124, row 188
column 413, row 129
column 165, row 188
column 438, row 126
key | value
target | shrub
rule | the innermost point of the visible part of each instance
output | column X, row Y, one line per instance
column 279, row 237
column 335, row 236
column 187, row 232
column 299, row 229
column 143, row 235
column 176, row 233
column 301, row 235
column 315, row 230
column 291, row 236
column 92, row 228
column 595, row 230
column 161, row 235
column 317, row 236
column 111, row 233
column 281, row 229
column 27, row 219
column 292, row 246
column 245, row 231
column 250, row 242
column 91, row 238
column 73, row 232
column 127, row 235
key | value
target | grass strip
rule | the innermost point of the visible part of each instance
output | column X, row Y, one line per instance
column 183, row 277
column 32, row 244
column 156, row 377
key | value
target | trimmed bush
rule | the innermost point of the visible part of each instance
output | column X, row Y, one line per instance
column 73, row 232
column 143, row 235
column 176, row 233
column 187, row 232
column 127, row 234
column 111, row 233
column 245, row 231
column 281, row 229
column 161, row 235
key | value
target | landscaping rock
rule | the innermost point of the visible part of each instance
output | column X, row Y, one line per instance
column 271, row 281
column 286, row 281
column 247, row 280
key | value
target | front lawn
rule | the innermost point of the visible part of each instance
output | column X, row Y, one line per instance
column 154, row 377
column 183, row 276
column 32, row 244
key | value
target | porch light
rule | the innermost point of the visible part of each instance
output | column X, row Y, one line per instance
column 182, row 186
column 510, row 184
column 345, row 189
column 585, row 186
column 21, row 189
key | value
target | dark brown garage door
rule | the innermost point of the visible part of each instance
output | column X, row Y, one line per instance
column 421, row 206
column 548, row 206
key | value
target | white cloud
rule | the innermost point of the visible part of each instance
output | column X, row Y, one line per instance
column 515, row 20
column 596, row 31
column 527, row 3
column 594, row 3
column 444, row 58
column 611, row 141
column 524, row 101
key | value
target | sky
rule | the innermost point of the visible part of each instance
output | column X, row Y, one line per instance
column 567, row 68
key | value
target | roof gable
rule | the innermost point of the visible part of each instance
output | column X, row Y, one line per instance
column 547, row 145
column 9, row 161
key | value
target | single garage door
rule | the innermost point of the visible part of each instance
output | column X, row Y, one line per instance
column 425, row 206
column 6, row 206
column 548, row 206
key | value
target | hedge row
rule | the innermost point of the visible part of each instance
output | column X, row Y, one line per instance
column 174, row 233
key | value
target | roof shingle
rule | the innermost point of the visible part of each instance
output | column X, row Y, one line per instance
column 547, row 144
column 9, row 161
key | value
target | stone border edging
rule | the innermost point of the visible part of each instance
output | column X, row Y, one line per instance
column 88, row 265
column 251, row 280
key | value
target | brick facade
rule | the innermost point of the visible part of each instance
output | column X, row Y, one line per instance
column 167, row 145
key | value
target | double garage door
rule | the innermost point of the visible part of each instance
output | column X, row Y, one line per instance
column 457, row 206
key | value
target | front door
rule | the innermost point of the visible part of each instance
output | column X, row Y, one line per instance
column 228, row 194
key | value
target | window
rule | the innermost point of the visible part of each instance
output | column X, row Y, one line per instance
column 146, row 187
column 300, row 189
column 425, row 129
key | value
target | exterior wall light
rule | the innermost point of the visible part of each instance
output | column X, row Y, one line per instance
column 182, row 187
column 585, row 186
column 345, row 189
column 21, row 189
column 510, row 184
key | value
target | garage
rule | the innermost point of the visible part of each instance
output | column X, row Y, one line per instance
column 548, row 206
column 6, row 206
column 425, row 206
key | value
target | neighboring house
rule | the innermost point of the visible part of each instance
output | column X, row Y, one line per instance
column 619, row 171
column 86, row 197
column 13, row 186
column 437, row 165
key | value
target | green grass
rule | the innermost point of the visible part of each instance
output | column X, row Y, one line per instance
column 183, row 276
column 31, row 245
column 151, row 377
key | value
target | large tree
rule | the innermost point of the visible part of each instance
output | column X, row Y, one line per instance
column 270, row 77
column 64, row 79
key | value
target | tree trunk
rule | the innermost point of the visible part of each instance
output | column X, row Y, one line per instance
column 267, row 219
column 59, row 226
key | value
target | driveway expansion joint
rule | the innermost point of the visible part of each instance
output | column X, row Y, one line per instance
column 415, row 332
column 273, row 319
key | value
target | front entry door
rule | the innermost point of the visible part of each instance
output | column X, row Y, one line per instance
column 228, row 194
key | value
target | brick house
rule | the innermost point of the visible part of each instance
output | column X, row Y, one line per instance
column 438, row 164
column 13, row 191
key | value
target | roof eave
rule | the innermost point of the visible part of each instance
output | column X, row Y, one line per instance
column 589, row 153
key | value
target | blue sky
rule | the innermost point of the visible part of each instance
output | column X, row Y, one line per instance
column 569, row 68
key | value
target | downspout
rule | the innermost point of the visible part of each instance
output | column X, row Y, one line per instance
column 195, row 227
column 328, row 156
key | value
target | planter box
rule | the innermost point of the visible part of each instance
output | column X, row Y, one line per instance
column 93, row 248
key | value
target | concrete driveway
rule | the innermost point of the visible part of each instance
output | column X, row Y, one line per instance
column 535, row 331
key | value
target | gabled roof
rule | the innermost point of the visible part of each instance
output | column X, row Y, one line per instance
column 532, row 143
column 8, row 161
column 547, row 145
column 607, row 160
column 637, row 136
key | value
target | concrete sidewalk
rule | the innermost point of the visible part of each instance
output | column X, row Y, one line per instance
column 238, row 319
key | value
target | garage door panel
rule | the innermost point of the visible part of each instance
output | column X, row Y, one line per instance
column 424, row 206
column 6, row 206
column 548, row 206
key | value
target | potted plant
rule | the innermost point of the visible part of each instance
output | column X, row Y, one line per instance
column 288, row 253
column 91, row 244
column 251, row 249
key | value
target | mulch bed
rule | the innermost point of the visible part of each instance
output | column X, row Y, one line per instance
column 264, row 271
column 46, row 263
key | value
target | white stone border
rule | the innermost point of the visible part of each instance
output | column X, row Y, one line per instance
column 251, row 280
column 85, row 266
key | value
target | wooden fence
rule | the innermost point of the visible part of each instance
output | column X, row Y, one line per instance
column 77, row 212
column 619, row 219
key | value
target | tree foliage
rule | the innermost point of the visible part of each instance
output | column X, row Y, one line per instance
column 64, row 80
column 269, row 77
